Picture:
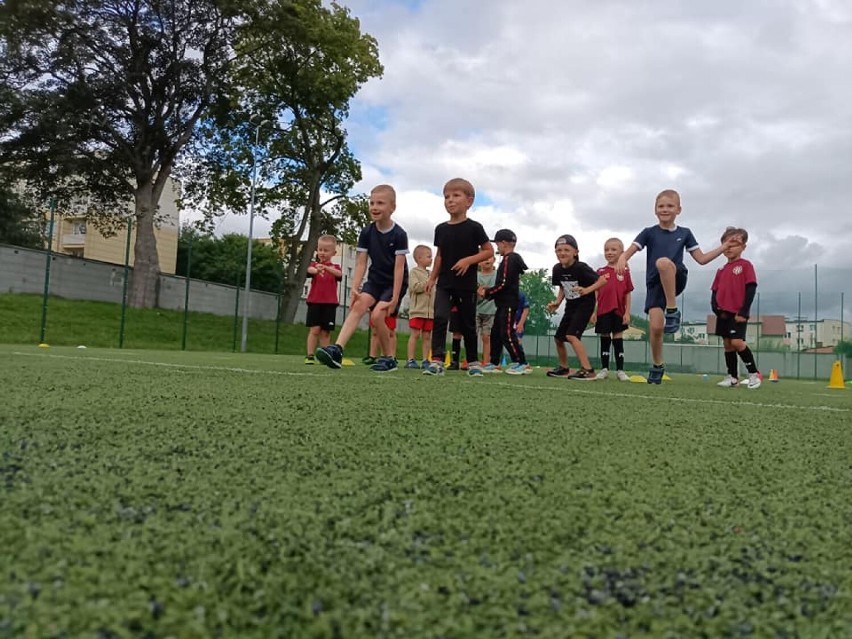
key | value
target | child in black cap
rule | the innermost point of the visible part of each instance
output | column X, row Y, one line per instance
column 577, row 282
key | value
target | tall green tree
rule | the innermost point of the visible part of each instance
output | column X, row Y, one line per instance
column 20, row 224
column 223, row 260
column 536, row 285
column 284, row 122
column 103, row 95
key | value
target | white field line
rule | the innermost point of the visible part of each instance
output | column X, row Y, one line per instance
column 558, row 388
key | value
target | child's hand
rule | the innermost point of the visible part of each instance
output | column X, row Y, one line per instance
column 593, row 319
column 626, row 319
column 460, row 267
column 356, row 294
column 481, row 291
column 580, row 290
column 551, row 307
column 739, row 319
column 620, row 264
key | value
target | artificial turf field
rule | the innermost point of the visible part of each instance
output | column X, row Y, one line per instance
column 166, row 494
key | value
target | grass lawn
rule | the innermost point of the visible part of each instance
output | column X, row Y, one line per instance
column 189, row 494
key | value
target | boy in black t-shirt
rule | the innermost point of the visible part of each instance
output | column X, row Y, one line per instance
column 505, row 294
column 461, row 245
column 577, row 282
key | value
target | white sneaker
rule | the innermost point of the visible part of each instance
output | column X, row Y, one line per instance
column 622, row 376
column 753, row 381
column 602, row 374
column 516, row 369
column 729, row 382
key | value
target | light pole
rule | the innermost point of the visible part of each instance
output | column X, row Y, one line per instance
column 244, row 338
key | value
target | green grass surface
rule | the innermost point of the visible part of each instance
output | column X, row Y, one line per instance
column 169, row 494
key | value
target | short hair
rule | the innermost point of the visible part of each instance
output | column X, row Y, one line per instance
column 732, row 231
column 460, row 184
column 668, row 193
column 615, row 239
column 327, row 238
column 419, row 248
column 387, row 188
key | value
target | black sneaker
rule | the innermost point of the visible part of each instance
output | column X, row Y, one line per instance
column 454, row 366
column 331, row 356
column 655, row 374
column 583, row 374
column 385, row 365
column 672, row 324
column 559, row 372
column 368, row 361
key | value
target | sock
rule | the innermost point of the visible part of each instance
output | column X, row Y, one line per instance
column 606, row 340
column 731, row 362
column 618, row 343
column 748, row 359
column 671, row 309
column 456, row 352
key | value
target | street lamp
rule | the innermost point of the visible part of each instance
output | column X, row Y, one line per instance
column 250, row 232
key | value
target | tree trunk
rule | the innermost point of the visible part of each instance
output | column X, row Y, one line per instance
column 146, row 264
column 300, row 258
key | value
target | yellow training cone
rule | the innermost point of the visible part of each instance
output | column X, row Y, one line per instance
column 347, row 362
column 836, row 379
column 43, row 345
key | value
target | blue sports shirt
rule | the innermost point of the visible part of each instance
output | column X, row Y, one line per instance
column 668, row 243
column 382, row 249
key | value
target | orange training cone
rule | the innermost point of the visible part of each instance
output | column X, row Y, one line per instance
column 773, row 375
column 836, row 379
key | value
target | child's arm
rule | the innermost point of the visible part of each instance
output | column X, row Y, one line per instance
column 398, row 272
column 586, row 290
column 621, row 264
column 436, row 269
column 486, row 251
column 519, row 327
column 312, row 270
column 745, row 309
column 334, row 270
column 705, row 258
column 552, row 306
column 628, row 297
column 417, row 281
column 358, row 275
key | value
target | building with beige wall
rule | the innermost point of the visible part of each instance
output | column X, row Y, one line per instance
column 74, row 235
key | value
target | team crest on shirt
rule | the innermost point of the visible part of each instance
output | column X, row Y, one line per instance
column 737, row 270
column 619, row 277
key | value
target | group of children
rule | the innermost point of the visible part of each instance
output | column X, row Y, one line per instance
column 464, row 292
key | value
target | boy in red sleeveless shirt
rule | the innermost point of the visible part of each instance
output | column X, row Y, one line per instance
column 612, row 315
column 733, row 292
column 322, row 296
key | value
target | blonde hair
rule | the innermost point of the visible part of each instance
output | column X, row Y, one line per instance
column 386, row 188
column 668, row 193
column 327, row 238
column 419, row 249
column 460, row 184
column 615, row 239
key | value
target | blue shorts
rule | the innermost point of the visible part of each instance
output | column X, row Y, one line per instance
column 655, row 297
column 384, row 294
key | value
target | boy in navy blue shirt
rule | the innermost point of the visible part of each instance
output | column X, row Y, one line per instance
column 386, row 244
column 666, row 273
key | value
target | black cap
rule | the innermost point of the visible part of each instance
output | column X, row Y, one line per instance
column 567, row 239
column 505, row 235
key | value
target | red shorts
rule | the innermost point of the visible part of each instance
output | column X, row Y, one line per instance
column 390, row 322
column 421, row 324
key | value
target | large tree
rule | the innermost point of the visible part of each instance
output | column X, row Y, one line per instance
column 284, row 123
column 20, row 224
column 104, row 96
column 536, row 285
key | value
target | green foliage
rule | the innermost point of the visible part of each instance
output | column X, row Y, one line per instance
column 536, row 285
column 298, row 65
column 223, row 260
column 19, row 224
column 843, row 348
column 202, row 495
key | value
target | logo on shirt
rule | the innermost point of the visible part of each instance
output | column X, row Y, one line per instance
column 737, row 270
column 619, row 277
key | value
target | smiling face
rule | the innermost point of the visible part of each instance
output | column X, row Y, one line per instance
column 326, row 250
column 382, row 204
column 667, row 209
column 612, row 251
column 566, row 254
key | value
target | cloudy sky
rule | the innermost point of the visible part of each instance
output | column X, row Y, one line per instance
column 569, row 116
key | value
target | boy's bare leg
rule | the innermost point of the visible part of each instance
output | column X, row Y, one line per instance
column 580, row 351
column 562, row 353
column 656, row 320
column 486, row 348
column 324, row 339
column 427, row 344
column 361, row 306
column 381, row 331
column 313, row 332
column 668, row 271
column 412, row 342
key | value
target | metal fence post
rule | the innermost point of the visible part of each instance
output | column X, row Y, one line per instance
column 124, row 285
column 48, row 258
column 186, row 293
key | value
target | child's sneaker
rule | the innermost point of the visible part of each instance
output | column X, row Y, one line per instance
column 672, row 321
column 385, row 365
column 425, row 364
column 490, row 368
column 559, row 372
column 331, row 356
column 753, row 381
column 602, row 374
column 368, row 361
column 729, row 382
column 583, row 374
column 412, row 363
column 474, row 370
column 622, row 376
column 309, row 360
column 655, row 374
column 454, row 366
column 517, row 369
column 434, row 368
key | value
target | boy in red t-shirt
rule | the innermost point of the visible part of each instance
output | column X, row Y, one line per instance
column 322, row 296
column 733, row 292
column 612, row 314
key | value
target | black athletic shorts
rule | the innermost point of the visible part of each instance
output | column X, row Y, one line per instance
column 612, row 322
column 322, row 315
column 726, row 326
